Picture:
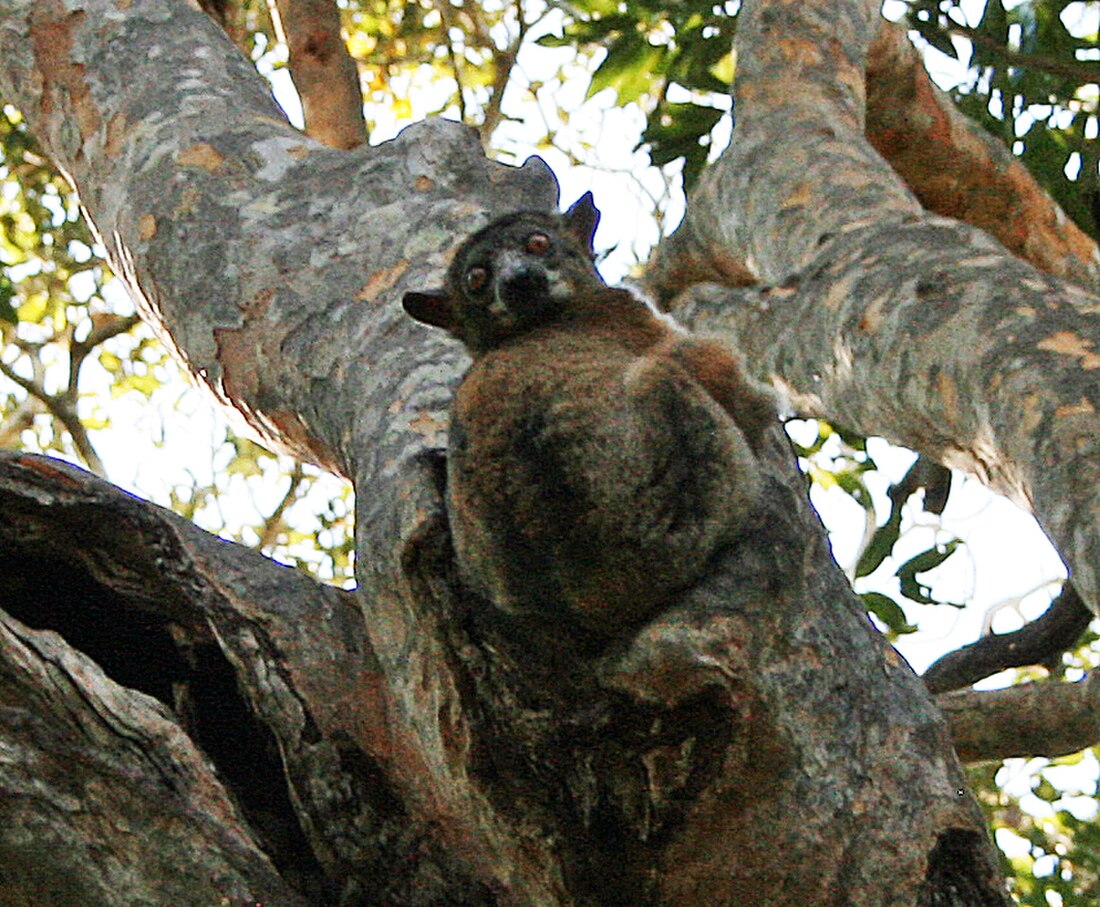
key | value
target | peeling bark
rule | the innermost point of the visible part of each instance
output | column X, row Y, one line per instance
column 958, row 170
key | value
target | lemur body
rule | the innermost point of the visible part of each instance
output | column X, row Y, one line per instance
column 599, row 455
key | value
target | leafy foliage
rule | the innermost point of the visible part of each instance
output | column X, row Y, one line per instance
column 837, row 459
column 405, row 46
column 50, row 290
column 675, row 59
column 1054, row 843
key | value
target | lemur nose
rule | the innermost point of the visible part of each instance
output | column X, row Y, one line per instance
column 522, row 284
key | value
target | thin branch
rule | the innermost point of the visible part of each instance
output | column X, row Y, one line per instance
column 31, row 386
column 1081, row 70
column 63, row 406
column 504, row 62
column 19, row 420
column 1050, row 634
column 274, row 523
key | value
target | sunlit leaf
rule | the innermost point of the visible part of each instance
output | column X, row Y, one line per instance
column 888, row 611
column 629, row 68
column 880, row 546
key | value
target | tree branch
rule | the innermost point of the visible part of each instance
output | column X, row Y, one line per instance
column 1049, row 635
column 1033, row 719
column 60, row 711
column 879, row 316
column 437, row 751
column 958, row 170
column 272, row 671
column 698, row 724
column 62, row 406
column 323, row 71
column 273, row 523
column 1082, row 70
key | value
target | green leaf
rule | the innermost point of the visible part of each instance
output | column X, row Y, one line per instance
column 927, row 560
column 881, row 544
column 888, row 611
column 994, row 22
column 7, row 294
column 629, row 68
column 931, row 30
column 680, row 131
column 930, row 559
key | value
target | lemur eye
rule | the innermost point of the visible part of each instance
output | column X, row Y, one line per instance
column 538, row 243
column 476, row 278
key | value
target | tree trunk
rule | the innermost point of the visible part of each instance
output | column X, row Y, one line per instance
column 757, row 743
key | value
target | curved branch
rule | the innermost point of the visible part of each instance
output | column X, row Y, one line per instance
column 700, row 723
column 61, row 407
column 273, row 522
column 1048, row 636
column 1080, row 70
column 273, row 672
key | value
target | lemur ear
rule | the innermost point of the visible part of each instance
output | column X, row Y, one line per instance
column 581, row 220
column 430, row 307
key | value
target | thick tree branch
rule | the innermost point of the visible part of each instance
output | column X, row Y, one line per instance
column 656, row 768
column 82, row 751
column 958, row 170
column 880, row 316
column 1032, row 719
column 442, row 752
column 135, row 762
column 265, row 208
column 191, row 619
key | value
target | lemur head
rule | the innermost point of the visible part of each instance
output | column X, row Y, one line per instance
column 518, row 272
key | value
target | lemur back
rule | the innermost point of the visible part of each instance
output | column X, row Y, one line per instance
column 599, row 455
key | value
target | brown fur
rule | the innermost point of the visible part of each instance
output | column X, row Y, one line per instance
column 599, row 455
